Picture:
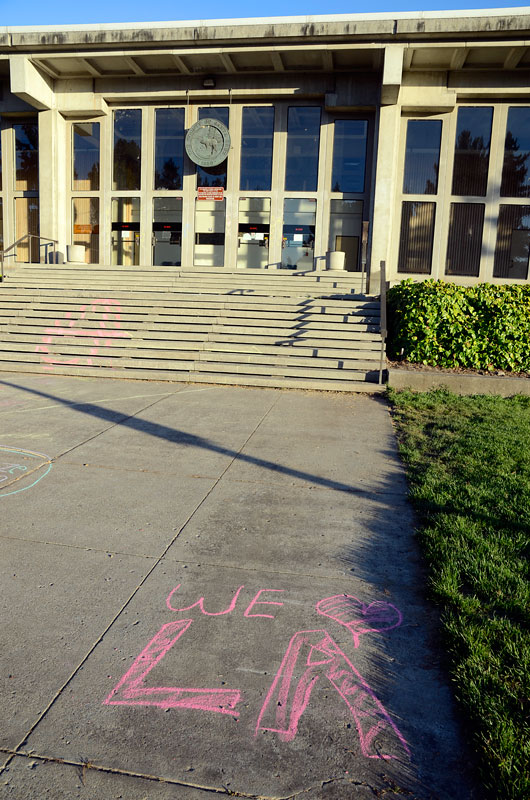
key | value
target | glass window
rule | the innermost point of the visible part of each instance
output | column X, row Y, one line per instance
column 513, row 242
column 169, row 148
column 516, row 168
column 127, row 148
column 27, row 221
column 85, row 218
column 0, row 159
column 209, row 233
column 167, row 231
column 464, row 244
column 349, row 155
column 85, row 136
column 298, row 242
column 422, row 156
column 416, row 239
column 1, row 226
column 256, row 149
column 253, row 232
column 472, row 151
column 214, row 176
column 27, row 156
column 303, row 140
column 126, row 231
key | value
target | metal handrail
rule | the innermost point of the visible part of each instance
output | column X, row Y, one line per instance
column 383, row 323
column 28, row 236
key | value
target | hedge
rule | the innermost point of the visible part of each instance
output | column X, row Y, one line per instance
column 444, row 325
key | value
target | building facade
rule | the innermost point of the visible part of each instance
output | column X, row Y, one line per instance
column 414, row 128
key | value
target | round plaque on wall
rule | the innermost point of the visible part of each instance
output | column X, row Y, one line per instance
column 208, row 142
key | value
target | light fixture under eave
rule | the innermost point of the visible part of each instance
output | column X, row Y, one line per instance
column 209, row 83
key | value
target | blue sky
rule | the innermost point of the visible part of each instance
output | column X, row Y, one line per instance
column 57, row 12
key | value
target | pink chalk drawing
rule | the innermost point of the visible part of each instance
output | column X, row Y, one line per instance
column 254, row 602
column 200, row 603
column 359, row 617
column 321, row 656
column 257, row 602
column 132, row 691
column 108, row 313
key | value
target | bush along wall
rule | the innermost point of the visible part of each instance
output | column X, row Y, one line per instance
column 444, row 325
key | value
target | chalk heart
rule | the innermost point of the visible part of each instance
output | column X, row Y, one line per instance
column 360, row 617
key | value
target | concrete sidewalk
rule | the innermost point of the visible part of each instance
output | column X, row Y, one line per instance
column 213, row 590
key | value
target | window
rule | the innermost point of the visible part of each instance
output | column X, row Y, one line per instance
column 298, row 243
column 169, row 148
column 416, row 239
column 303, row 140
column 127, row 149
column 516, row 167
column 513, row 242
column 422, row 156
column 27, row 156
column 465, row 239
column 472, row 151
column 85, row 138
column 256, row 149
column 214, row 176
column 349, row 155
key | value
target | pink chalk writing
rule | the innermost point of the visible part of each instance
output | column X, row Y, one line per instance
column 358, row 617
column 200, row 603
column 287, row 700
column 132, row 691
column 257, row 602
column 108, row 313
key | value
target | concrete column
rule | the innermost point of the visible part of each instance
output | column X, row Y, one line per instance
column 385, row 223
column 53, row 154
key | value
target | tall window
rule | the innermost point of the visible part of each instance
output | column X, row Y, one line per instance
column 472, row 151
column 516, row 167
column 513, row 242
column 169, row 148
column 85, row 136
column 256, row 149
column 27, row 156
column 303, row 140
column 214, row 176
column 417, row 235
column 127, row 149
column 349, row 155
column 422, row 156
column 465, row 239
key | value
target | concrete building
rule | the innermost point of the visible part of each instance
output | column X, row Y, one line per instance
column 415, row 124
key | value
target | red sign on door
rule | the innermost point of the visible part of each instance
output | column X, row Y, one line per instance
column 210, row 193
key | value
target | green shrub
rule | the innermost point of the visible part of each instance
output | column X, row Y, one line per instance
column 444, row 325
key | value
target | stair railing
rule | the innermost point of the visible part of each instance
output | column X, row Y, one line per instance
column 29, row 236
column 383, row 323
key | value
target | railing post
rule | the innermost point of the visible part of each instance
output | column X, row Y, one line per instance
column 364, row 251
column 383, row 325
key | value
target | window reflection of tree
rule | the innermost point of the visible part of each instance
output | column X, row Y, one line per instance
column 515, row 181
column 27, row 150
column 470, row 173
column 512, row 249
column 169, row 177
column 126, row 164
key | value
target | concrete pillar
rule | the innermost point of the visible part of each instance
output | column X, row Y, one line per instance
column 385, row 223
column 53, row 155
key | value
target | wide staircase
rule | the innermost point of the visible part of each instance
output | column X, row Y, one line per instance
column 278, row 329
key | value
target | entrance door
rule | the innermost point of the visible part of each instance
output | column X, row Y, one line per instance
column 167, row 231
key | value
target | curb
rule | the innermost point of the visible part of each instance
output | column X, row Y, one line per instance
column 425, row 380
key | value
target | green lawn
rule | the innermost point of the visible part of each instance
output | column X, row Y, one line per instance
column 468, row 464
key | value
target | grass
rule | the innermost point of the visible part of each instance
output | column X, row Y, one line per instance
column 468, row 463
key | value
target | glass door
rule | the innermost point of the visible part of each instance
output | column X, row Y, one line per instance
column 167, row 231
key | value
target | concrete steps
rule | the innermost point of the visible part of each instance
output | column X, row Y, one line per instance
column 267, row 329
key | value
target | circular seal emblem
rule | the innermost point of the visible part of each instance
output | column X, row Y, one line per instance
column 208, row 142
